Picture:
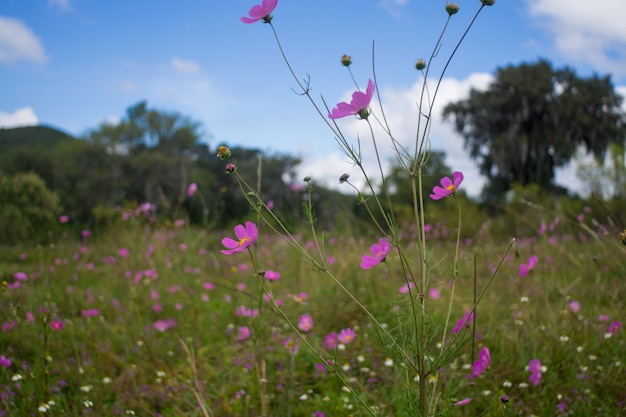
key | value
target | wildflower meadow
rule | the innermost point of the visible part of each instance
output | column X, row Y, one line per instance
column 412, row 315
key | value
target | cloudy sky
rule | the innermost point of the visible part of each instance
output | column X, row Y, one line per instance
column 73, row 64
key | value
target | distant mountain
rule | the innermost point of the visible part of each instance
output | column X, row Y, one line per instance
column 32, row 137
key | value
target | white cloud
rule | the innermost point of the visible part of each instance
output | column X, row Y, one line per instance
column 621, row 90
column 20, row 117
column 129, row 86
column 18, row 42
column 62, row 5
column 590, row 32
column 185, row 66
column 393, row 7
column 402, row 113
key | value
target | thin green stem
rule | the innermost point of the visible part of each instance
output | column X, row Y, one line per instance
column 455, row 272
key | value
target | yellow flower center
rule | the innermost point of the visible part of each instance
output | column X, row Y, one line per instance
column 450, row 187
column 243, row 240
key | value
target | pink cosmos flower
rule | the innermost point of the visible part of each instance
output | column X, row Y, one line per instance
column 463, row 402
column 20, row 276
column 243, row 333
column 332, row 340
column 448, row 186
column 535, row 368
column 56, row 324
column 483, row 362
column 434, row 293
column 615, row 326
column 163, row 325
column 358, row 105
column 93, row 312
column 292, row 346
column 305, row 323
column 261, row 12
column 271, row 275
column 64, row 218
column 5, row 362
column 346, row 336
column 193, row 187
column 301, row 298
column 379, row 253
column 246, row 236
column 405, row 289
column 524, row 269
column 574, row 306
column 465, row 321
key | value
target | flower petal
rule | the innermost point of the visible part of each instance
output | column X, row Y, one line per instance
column 458, row 179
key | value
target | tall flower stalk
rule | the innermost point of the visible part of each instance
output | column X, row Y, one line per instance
column 411, row 344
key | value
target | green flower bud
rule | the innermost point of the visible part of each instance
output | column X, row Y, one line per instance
column 420, row 64
column 488, row 2
column 223, row 153
column 346, row 60
column 452, row 8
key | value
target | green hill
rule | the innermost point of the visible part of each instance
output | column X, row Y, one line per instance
column 32, row 137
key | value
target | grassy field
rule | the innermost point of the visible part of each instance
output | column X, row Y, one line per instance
column 155, row 321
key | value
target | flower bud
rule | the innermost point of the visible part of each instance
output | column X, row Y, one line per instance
column 504, row 398
column 487, row 2
column 223, row 153
column 230, row 168
column 307, row 179
column 420, row 64
column 346, row 60
column 364, row 113
column 452, row 8
column 343, row 178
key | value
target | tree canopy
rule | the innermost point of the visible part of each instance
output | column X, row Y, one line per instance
column 152, row 156
column 532, row 119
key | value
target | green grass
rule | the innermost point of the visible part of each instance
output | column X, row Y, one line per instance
column 115, row 362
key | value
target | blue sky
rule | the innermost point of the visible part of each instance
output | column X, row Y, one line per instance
column 74, row 64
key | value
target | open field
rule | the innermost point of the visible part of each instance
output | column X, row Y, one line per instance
column 157, row 322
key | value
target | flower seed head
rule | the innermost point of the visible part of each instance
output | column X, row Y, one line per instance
column 343, row 178
column 346, row 60
column 420, row 64
column 223, row 153
column 307, row 179
column 488, row 2
column 452, row 8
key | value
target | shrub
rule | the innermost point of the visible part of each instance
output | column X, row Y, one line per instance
column 28, row 209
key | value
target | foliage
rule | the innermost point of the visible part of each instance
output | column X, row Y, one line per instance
column 152, row 156
column 532, row 119
column 28, row 209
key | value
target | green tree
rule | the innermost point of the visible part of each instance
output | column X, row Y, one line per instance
column 399, row 181
column 532, row 119
column 153, row 151
column 28, row 209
